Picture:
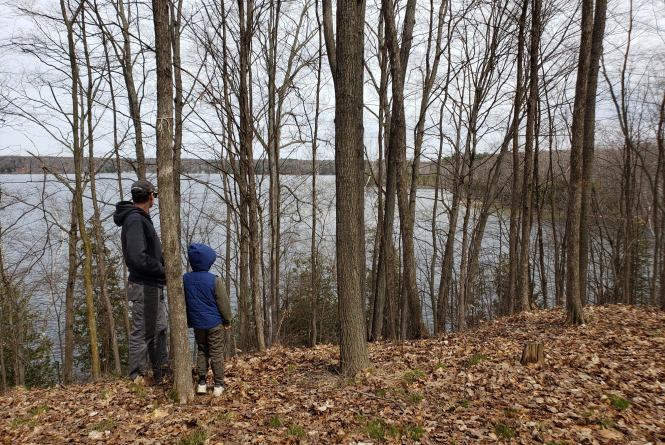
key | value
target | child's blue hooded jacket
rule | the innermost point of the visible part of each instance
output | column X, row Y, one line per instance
column 202, row 309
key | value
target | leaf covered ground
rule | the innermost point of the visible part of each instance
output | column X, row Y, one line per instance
column 600, row 383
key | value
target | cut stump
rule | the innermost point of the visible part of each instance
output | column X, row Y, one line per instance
column 532, row 353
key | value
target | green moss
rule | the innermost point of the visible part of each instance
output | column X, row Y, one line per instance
column 618, row 402
column 504, row 430
column 39, row 409
column 411, row 376
column 476, row 359
column 275, row 422
column 376, row 429
column 196, row 437
column 296, row 430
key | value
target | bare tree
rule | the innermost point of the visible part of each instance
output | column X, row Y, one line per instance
column 346, row 64
column 182, row 381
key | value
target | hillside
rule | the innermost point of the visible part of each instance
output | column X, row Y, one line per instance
column 600, row 383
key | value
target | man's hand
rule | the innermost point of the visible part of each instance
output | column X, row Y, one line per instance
column 227, row 327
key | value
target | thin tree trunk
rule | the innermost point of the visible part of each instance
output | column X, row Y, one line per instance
column 127, row 65
column 527, row 179
column 513, row 260
column 313, row 334
column 182, row 378
column 573, row 294
column 96, row 218
column 589, row 140
column 397, row 149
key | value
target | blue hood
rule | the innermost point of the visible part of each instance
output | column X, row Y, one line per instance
column 201, row 257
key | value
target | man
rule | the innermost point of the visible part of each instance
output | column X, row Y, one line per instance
column 142, row 252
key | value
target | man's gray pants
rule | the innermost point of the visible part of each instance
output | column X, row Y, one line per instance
column 210, row 345
column 148, row 336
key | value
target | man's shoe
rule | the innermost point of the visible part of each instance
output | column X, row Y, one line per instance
column 202, row 387
column 219, row 389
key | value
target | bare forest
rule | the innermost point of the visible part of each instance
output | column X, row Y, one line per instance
column 389, row 170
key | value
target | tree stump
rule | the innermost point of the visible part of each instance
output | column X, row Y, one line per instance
column 532, row 353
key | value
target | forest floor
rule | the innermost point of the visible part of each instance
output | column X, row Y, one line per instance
column 603, row 382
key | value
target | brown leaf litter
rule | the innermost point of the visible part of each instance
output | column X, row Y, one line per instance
column 601, row 383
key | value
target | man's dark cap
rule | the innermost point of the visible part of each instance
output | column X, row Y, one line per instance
column 143, row 186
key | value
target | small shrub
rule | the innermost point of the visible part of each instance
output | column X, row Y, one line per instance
column 464, row 403
column 105, row 393
column 410, row 376
column 381, row 393
column 440, row 366
column 618, row 402
column 39, row 409
column 476, row 359
column 296, row 430
column 504, row 430
column 275, row 422
column 376, row 429
column 174, row 396
column 291, row 367
column 196, row 437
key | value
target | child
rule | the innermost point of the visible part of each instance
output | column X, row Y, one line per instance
column 209, row 313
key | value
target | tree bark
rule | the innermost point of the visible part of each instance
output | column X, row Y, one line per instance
column 513, row 260
column 397, row 149
column 346, row 63
column 573, row 296
column 523, row 288
column 589, row 140
column 247, row 159
column 182, row 377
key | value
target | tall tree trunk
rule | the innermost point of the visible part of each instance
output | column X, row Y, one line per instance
column 513, row 260
column 527, row 179
column 573, row 294
column 246, row 136
column 127, row 64
column 72, row 272
column 589, row 139
column 118, row 165
column 182, row 378
column 378, row 258
column 273, row 165
column 346, row 63
column 96, row 218
column 397, row 149
column 448, row 253
column 178, row 102
column 313, row 334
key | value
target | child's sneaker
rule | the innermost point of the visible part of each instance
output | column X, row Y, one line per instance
column 219, row 389
column 202, row 387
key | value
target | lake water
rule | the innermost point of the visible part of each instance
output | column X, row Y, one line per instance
column 36, row 210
